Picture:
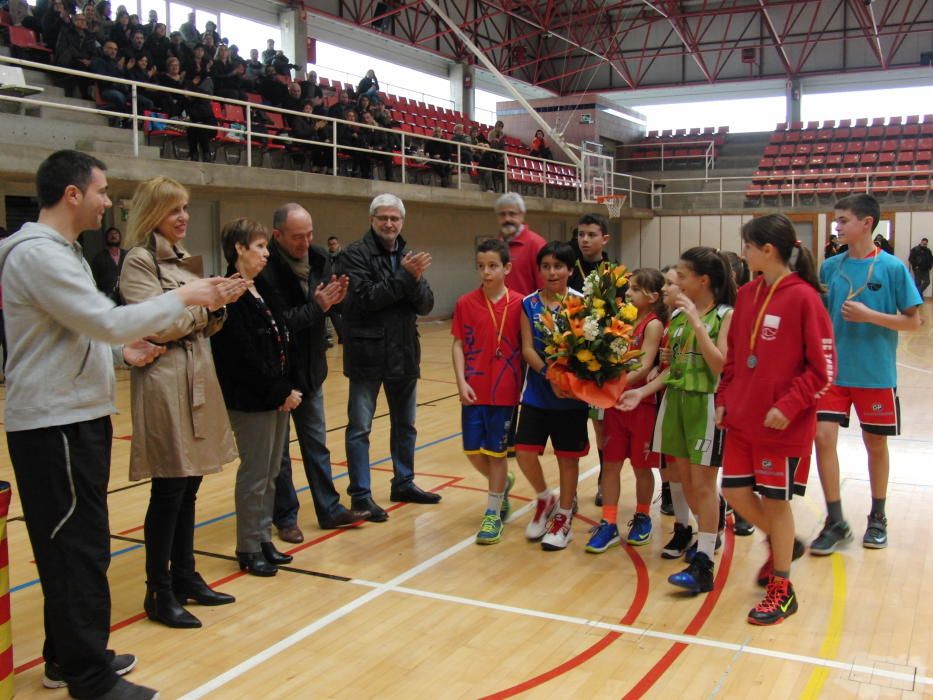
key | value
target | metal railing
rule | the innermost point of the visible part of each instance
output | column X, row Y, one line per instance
column 665, row 152
column 411, row 148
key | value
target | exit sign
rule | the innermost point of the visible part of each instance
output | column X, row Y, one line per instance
column 586, row 118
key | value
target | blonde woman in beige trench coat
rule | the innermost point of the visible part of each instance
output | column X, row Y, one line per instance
column 180, row 426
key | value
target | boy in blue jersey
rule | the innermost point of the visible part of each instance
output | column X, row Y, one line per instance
column 545, row 413
column 870, row 296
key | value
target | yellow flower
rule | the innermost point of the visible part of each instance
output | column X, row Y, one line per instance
column 550, row 350
column 593, row 365
column 620, row 282
column 585, row 356
column 598, row 303
column 629, row 312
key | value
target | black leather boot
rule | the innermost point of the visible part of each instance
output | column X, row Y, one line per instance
column 195, row 588
column 274, row 556
column 162, row 606
column 255, row 563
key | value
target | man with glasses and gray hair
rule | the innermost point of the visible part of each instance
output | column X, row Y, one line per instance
column 387, row 293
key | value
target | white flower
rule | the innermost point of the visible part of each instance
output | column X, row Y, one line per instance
column 590, row 328
column 618, row 346
column 588, row 286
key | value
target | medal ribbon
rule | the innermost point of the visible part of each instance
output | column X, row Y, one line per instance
column 492, row 315
column 761, row 312
column 871, row 268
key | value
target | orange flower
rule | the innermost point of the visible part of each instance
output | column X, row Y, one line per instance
column 576, row 326
column 547, row 320
column 618, row 328
column 574, row 305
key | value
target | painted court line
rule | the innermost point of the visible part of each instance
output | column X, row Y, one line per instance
column 378, row 590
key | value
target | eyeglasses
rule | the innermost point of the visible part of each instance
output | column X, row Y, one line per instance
column 382, row 219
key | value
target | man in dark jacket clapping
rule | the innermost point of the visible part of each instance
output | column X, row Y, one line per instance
column 387, row 293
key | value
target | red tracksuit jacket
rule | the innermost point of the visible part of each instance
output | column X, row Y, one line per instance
column 796, row 361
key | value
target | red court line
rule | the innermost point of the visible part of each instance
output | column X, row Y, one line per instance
column 634, row 610
column 238, row 574
column 696, row 624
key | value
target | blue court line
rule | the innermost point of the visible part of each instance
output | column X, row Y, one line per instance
column 211, row 521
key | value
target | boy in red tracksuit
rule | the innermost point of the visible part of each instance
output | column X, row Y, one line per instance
column 780, row 360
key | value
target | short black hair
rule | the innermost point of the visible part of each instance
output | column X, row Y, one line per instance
column 598, row 219
column 561, row 251
column 242, row 231
column 61, row 169
column 495, row 245
column 861, row 205
column 332, row 238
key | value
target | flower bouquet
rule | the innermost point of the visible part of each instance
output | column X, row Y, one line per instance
column 588, row 340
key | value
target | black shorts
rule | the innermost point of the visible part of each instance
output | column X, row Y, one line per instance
column 566, row 429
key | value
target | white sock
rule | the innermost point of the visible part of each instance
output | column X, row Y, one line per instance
column 494, row 502
column 544, row 495
column 566, row 512
column 706, row 543
column 679, row 501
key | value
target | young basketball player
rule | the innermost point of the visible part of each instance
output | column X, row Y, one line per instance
column 487, row 359
column 870, row 297
column 547, row 414
column 780, row 361
column 628, row 435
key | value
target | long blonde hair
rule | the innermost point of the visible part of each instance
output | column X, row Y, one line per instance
column 152, row 202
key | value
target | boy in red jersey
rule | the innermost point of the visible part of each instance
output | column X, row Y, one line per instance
column 487, row 359
column 780, row 360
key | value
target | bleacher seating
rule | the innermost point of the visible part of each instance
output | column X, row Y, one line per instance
column 811, row 160
column 680, row 145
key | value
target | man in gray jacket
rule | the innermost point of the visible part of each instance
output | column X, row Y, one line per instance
column 64, row 336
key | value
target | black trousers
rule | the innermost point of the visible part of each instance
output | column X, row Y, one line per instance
column 62, row 474
column 169, row 531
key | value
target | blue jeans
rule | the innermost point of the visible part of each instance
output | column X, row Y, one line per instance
column 312, row 440
column 361, row 406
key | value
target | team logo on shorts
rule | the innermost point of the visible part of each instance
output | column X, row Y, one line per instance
column 767, row 463
column 769, row 327
column 876, row 407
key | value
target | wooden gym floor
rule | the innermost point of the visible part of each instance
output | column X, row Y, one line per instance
column 412, row 608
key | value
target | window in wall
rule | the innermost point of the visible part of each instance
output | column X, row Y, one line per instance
column 247, row 34
column 752, row 114
column 177, row 16
column 485, row 103
column 146, row 5
column 866, row 103
column 201, row 18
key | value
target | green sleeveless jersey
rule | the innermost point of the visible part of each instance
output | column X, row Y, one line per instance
column 689, row 371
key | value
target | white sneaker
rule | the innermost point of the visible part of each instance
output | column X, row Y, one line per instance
column 538, row 525
column 559, row 533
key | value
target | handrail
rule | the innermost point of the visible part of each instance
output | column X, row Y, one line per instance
column 250, row 136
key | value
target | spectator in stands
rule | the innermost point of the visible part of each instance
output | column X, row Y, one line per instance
column 226, row 75
column 76, row 48
column 200, row 67
column 116, row 95
column 158, row 46
column 381, row 115
column 363, row 104
column 303, row 128
column 465, row 154
column 293, row 100
column 22, row 16
column 832, row 247
column 254, row 67
column 380, row 141
column 235, row 56
column 210, row 30
column 271, row 88
column 920, row 260
column 93, row 24
column 490, row 179
column 179, row 49
column 282, row 64
column 369, row 86
column 141, row 72
column 150, row 26
column 189, row 31
column 106, row 265
column 136, row 47
column 441, row 151
column 310, row 88
column 172, row 77
column 134, row 22
column 351, row 135
column 199, row 112
column 120, row 32
column 539, row 147
column 210, row 46
column 104, row 22
column 884, row 244
column 53, row 21
column 269, row 53
column 340, row 107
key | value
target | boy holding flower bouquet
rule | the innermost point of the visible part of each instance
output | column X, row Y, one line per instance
column 547, row 411
column 487, row 359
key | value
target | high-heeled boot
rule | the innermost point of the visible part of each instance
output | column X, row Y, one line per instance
column 274, row 556
column 255, row 563
column 195, row 588
column 162, row 606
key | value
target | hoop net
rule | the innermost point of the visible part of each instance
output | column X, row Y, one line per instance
column 613, row 203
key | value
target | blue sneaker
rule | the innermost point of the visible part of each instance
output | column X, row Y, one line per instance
column 490, row 532
column 697, row 577
column 506, row 509
column 604, row 536
column 639, row 530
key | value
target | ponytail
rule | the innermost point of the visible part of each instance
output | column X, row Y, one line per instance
column 778, row 230
column 710, row 262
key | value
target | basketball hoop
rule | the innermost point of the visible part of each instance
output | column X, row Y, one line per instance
column 613, row 203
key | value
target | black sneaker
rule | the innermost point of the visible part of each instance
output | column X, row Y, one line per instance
column 696, row 578
column 780, row 602
column 124, row 690
column 667, row 505
column 52, row 678
column 680, row 542
column 741, row 527
column 831, row 536
column 876, row 535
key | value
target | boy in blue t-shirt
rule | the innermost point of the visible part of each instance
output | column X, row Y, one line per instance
column 870, row 297
column 546, row 414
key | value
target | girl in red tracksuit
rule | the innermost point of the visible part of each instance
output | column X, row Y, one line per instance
column 780, row 359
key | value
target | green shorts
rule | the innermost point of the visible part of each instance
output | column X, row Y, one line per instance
column 686, row 428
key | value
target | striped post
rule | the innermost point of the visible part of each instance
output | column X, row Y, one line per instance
column 6, row 634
